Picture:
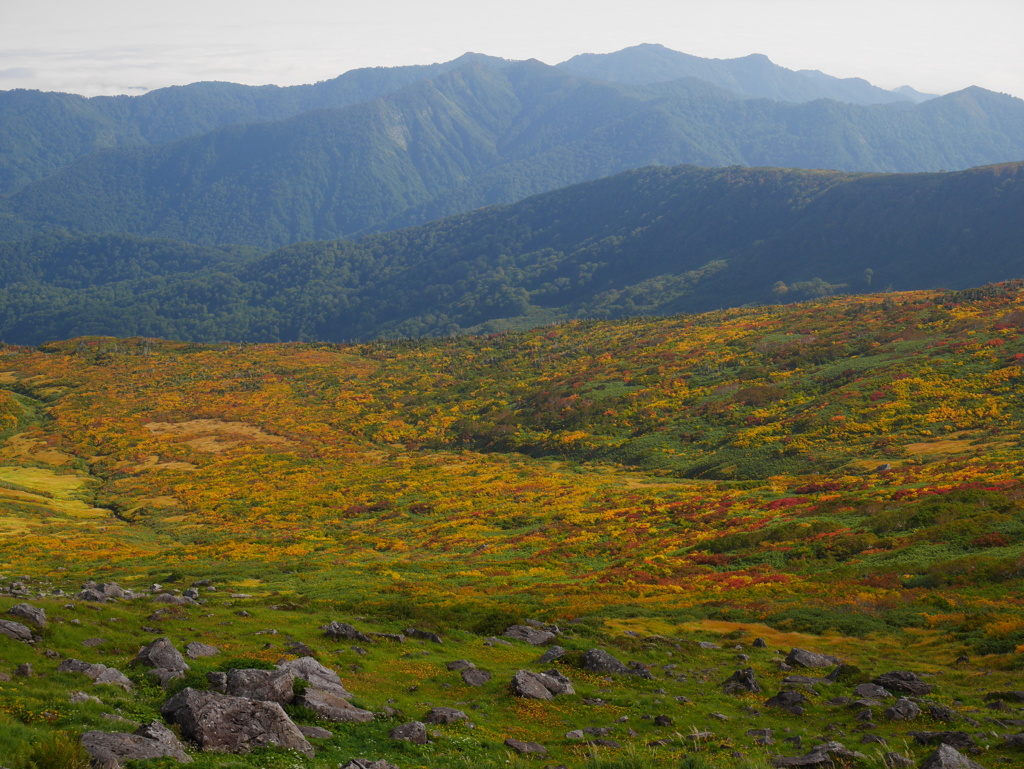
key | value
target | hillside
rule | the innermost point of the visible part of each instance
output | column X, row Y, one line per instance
column 654, row 241
column 841, row 475
column 476, row 136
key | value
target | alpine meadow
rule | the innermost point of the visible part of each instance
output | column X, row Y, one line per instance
column 644, row 410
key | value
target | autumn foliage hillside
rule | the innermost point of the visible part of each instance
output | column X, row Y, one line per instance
column 848, row 465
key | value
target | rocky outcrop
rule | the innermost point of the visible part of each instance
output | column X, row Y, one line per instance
column 267, row 685
column 805, row 659
column 154, row 740
column 232, row 724
column 423, row 635
column 475, row 676
column 332, row 708
column 27, row 611
column 532, row 635
column 790, row 701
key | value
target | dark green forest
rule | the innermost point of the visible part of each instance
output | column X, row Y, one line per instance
column 650, row 241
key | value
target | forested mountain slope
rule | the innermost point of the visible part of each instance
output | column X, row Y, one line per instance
column 650, row 241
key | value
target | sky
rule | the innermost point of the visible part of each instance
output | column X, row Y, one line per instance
column 132, row 46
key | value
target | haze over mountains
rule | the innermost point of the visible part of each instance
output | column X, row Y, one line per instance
column 218, row 164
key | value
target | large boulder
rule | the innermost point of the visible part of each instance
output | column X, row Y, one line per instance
column 16, row 630
column 959, row 740
column 871, row 692
column 414, row 731
column 540, row 686
column 154, row 740
column 267, row 685
column 600, row 661
column 903, row 682
column 788, row 700
column 330, row 707
column 27, row 611
column 903, row 710
column 232, row 724
column 532, row 635
column 805, row 659
column 475, row 676
column 526, row 748
column 947, row 757
column 161, row 655
column 316, row 675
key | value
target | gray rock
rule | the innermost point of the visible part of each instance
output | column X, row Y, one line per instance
column 947, row 757
column 365, row 763
column 16, row 630
column 424, row 635
column 871, row 692
column 414, row 732
column 94, row 642
column 576, row 735
column 191, row 593
column 820, row 755
column 27, row 611
column 316, row 675
column 218, row 681
column 232, row 724
column 331, row 707
column 708, row 645
column 790, row 701
column 265, row 685
column 77, row 698
column 460, row 665
column 531, row 635
column 162, row 655
column 195, row 650
column 540, row 686
column 343, row 630
column 903, row 682
column 551, row 655
column 475, row 676
column 959, row 740
column 741, row 682
column 894, row 760
column 600, row 661
column 153, row 740
column 805, row 659
column 444, row 716
column 903, row 710
column 100, row 674
column 526, row 748
column 316, row 732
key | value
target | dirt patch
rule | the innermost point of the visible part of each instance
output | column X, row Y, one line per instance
column 213, row 435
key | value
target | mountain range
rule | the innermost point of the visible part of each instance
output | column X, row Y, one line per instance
column 338, row 210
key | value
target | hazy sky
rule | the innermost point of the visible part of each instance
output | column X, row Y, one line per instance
column 130, row 46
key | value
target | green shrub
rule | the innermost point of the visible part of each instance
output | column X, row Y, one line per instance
column 58, row 751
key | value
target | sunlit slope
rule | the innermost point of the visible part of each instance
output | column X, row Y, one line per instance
column 855, row 454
